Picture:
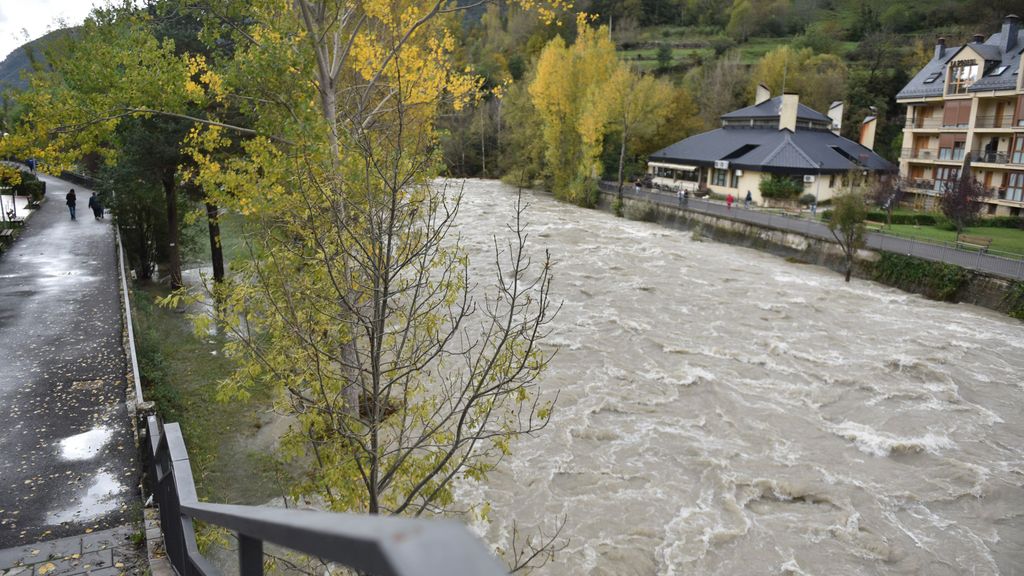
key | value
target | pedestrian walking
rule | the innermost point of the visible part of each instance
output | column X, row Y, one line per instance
column 686, row 197
column 748, row 200
column 679, row 196
column 97, row 208
column 728, row 201
column 70, row 201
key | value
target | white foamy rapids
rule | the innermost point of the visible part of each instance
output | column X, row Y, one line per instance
column 724, row 412
column 876, row 443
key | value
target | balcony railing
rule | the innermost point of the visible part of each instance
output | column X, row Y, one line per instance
column 951, row 154
column 998, row 157
column 994, row 121
column 1008, row 194
column 932, row 124
column 378, row 545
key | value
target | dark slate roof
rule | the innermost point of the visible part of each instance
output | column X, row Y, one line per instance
column 770, row 109
column 993, row 53
column 770, row 150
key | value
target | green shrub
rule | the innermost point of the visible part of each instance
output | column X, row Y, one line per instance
column 778, row 187
column 933, row 279
column 1000, row 222
column 1015, row 300
column 918, row 219
column 807, row 199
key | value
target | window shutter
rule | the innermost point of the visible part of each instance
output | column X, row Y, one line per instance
column 946, row 140
column 1018, row 114
column 949, row 112
column 964, row 114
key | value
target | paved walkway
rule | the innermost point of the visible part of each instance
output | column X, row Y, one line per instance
column 1004, row 267
column 104, row 553
column 67, row 456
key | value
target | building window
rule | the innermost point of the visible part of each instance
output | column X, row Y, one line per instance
column 944, row 175
column 719, row 177
column 962, row 73
column 1017, row 152
column 991, row 209
column 1015, row 187
column 832, row 181
column 735, row 180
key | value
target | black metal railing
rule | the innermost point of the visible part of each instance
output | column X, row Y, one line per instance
column 380, row 545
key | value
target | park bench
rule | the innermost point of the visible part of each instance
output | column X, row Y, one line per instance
column 6, row 237
column 873, row 225
column 794, row 212
column 980, row 242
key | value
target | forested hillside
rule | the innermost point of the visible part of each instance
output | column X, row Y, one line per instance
column 714, row 52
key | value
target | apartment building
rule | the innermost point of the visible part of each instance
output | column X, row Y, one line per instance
column 966, row 108
column 775, row 136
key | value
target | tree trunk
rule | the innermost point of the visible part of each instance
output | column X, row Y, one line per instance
column 216, row 251
column 622, row 160
column 849, row 270
column 173, row 236
column 483, row 148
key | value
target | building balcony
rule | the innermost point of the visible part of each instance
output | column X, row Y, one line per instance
column 931, row 124
column 997, row 158
column 931, row 187
column 1007, row 194
column 991, row 121
column 941, row 154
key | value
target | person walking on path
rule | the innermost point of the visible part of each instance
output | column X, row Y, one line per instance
column 679, row 196
column 71, row 200
column 728, row 201
column 97, row 208
column 748, row 200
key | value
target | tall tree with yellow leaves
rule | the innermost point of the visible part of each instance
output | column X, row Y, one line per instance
column 567, row 91
column 356, row 304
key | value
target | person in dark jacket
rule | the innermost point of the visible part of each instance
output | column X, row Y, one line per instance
column 97, row 208
column 70, row 200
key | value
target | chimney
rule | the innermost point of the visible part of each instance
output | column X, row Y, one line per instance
column 763, row 94
column 978, row 38
column 867, row 132
column 940, row 47
column 835, row 112
column 787, row 112
column 1009, row 32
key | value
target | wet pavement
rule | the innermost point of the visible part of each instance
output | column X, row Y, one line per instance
column 67, row 456
column 104, row 553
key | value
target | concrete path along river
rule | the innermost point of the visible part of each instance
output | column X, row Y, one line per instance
column 67, row 456
column 725, row 412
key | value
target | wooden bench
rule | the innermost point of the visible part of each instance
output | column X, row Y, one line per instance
column 873, row 225
column 980, row 242
column 6, row 237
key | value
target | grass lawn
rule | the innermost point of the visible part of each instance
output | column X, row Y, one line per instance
column 180, row 372
column 1003, row 239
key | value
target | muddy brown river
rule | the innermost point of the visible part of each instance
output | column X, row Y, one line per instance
column 724, row 411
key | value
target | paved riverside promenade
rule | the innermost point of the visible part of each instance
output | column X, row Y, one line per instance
column 68, row 467
column 1009, row 268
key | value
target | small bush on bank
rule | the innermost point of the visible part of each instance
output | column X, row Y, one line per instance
column 933, row 279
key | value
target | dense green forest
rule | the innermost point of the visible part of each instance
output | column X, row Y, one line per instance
column 714, row 52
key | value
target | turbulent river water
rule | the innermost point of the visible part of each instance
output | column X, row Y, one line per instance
column 724, row 411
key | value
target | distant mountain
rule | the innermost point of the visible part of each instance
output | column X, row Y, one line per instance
column 21, row 59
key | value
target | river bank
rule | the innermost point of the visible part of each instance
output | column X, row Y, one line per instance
column 934, row 280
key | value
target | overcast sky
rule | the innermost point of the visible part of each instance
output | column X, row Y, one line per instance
column 37, row 17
